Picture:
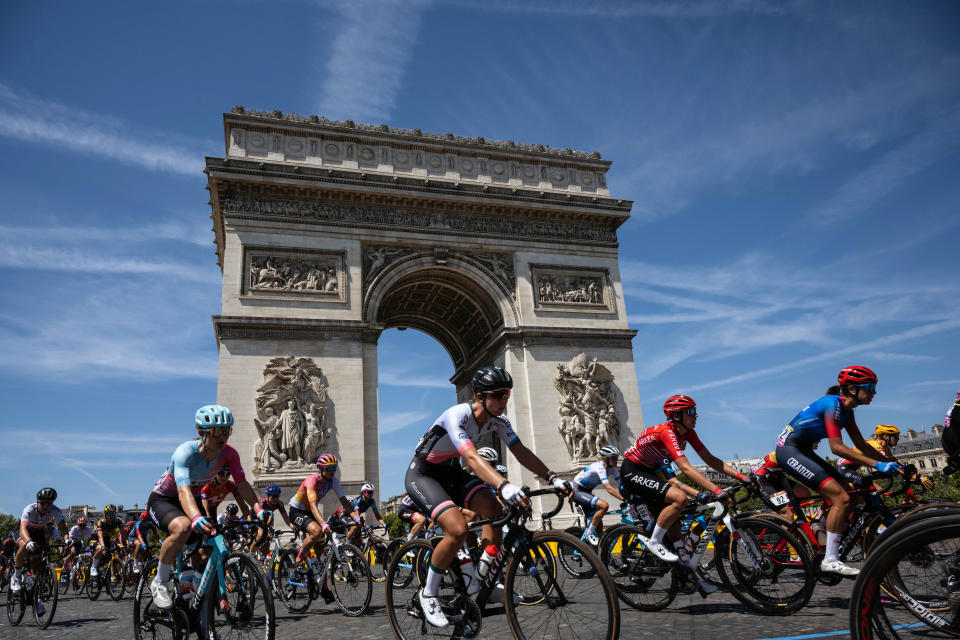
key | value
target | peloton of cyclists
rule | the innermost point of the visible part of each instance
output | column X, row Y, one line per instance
column 437, row 484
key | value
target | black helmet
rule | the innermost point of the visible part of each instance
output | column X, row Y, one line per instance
column 490, row 379
column 47, row 493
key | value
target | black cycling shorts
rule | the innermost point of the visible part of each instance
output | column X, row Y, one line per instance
column 806, row 467
column 406, row 514
column 163, row 510
column 644, row 483
column 585, row 499
column 851, row 475
column 434, row 488
column 300, row 519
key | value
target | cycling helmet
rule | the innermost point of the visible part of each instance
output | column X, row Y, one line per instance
column 491, row 379
column 273, row 490
column 489, row 454
column 327, row 459
column 47, row 493
column 144, row 515
column 82, row 520
column 130, row 523
column 886, row 430
column 213, row 415
column 677, row 404
column 367, row 487
column 856, row 375
column 110, row 508
column 609, row 451
column 502, row 470
column 232, row 509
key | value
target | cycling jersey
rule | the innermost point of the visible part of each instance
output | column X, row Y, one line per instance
column 225, row 518
column 455, row 430
column 596, row 473
column 36, row 520
column 215, row 493
column 143, row 528
column 825, row 418
column 659, row 442
column 312, row 490
column 764, row 466
column 360, row 506
column 107, row 527
column 78, row 534
column 266, row 505
column 188, row 468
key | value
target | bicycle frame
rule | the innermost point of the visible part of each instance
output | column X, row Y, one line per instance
column 214, row 564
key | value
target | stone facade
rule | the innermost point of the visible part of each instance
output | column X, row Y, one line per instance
column 328, row 233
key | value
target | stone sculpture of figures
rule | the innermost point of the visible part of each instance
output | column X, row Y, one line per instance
column 569, row 289
column 588, row 419
column 317, row 276
column 292, row 418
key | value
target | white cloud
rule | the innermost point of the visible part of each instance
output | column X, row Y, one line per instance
column 368, row 58
column 197, row 234
column 48, row 122
column 685, row 9
column 412, row 379
column 395, row 421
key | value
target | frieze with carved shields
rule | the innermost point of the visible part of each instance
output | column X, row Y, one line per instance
column 588, row 416
column 292, row 422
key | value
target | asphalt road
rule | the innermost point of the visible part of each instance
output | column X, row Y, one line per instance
column 719, row 616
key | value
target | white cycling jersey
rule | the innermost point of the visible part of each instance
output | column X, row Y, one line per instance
column 80, row 534
column 455, row 430
column 36, row 520
column 597, row 473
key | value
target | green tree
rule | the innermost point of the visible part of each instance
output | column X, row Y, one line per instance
column 394, row 525
column 8, row 523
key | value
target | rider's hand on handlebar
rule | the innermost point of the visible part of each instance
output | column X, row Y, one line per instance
column 886, row 467
column 563, row 487
column 513, row 495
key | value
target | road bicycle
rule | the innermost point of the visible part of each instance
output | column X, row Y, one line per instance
column 375, row 550
column 109, row 576
column 38, row 589
column 539, row 600
column 230, row 598
column 340, row 564
column 131, row 575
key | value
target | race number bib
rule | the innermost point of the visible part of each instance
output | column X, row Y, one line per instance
column 782, row 438
column 780, row 498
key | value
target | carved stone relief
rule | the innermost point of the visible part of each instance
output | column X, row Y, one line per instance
column 294, row 272
column 571, row 289
column 588, row 416
column 384, row 216
column 292, row 422
column 497, row 265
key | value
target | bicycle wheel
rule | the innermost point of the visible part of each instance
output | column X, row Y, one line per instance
column 45, row 596
column 583, row 605
column 293, row 582
column 570, row 557
column 641, row 579
column 767, row 568
column 377, row 559
column 63, row 582
column 873, row 616
column 95, row 584
column 531, row 564
column 130, row 577
column 405, row 573
column 115, row 579
column 249, row 603
column 151, row 623
column 16, row 606
column 350, row 580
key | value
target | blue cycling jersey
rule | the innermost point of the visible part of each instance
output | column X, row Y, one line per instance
column 362, row 505
column 825, row 418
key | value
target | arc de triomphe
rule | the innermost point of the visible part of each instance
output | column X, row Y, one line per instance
column 328, row 233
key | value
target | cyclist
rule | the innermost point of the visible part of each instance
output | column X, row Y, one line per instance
column 140, row 536
column 77, row 537
column 360, row 505
column 36, row 527
column 107, row 528
column 437, row 483
column 409, row 512
column 305, row 510
column 827, row 418
column 603, row 471
column 173, row 502
column 213, row 493
column 270, row 504
column 230, row 515
column 885, row 438
column 639, row 474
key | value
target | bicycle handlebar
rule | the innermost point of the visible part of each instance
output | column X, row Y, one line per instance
column 510, row 511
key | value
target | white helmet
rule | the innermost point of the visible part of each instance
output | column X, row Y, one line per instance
column 609, row 451
column 366, row 487
column 502, row 470
column 489, row 454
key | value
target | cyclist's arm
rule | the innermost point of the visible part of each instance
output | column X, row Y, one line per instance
column 188, row 502
column 206, row 507
column 349, row 508
column 719, row 465
column 688, row 470
column 247, row 498
column 687, row 489
column 481, row 467
column 612, row 490
column 843, row 451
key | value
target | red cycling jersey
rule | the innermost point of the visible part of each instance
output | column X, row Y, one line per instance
column 659, row 442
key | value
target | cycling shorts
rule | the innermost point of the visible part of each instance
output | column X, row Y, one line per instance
column 408, row 514
column 163, row 510
column 300, row 519
column 850, row 474
column 644, row 483
column 585, row 499
column 434, row 488
column 806, row 467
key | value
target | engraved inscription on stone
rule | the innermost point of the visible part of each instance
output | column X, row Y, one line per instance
column 292, row 422
column 588, row 416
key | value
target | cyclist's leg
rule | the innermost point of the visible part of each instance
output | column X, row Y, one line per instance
column 657, row 492
column 419, row 522
column 167, row 513
column 485, row 505
column 602, row 508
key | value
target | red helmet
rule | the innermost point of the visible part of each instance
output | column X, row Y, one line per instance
column 856, row 375
column 676, row 404
column 144, row 515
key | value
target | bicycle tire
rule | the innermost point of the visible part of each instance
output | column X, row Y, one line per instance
column 45, row 590
column 349, row 577
column 641, row 580
column 570, row 559
column 405, row 574
column 63, row 582
column 16, row 606
column 377, row 559
column 245, row 584
column 151, row 623
column 869, row 619
column 597, row 612
column 115, row 579
column 776, row 575
column 94, row 584
column 532, row 564
column 294, row 582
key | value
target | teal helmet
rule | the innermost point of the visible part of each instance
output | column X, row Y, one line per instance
column 213, row 415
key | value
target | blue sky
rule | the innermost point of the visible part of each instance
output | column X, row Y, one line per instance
column 794, row 167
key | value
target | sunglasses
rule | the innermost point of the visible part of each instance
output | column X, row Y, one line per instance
column 223, row 474
column 502, row 394
column 330, row 468
column 692, row 411
column 44, row 501
column 218, row 432
column 869, row 388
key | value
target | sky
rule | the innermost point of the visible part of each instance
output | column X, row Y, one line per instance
column 793, row 167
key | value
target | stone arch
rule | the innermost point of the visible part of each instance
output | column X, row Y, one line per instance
column 455, row 301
